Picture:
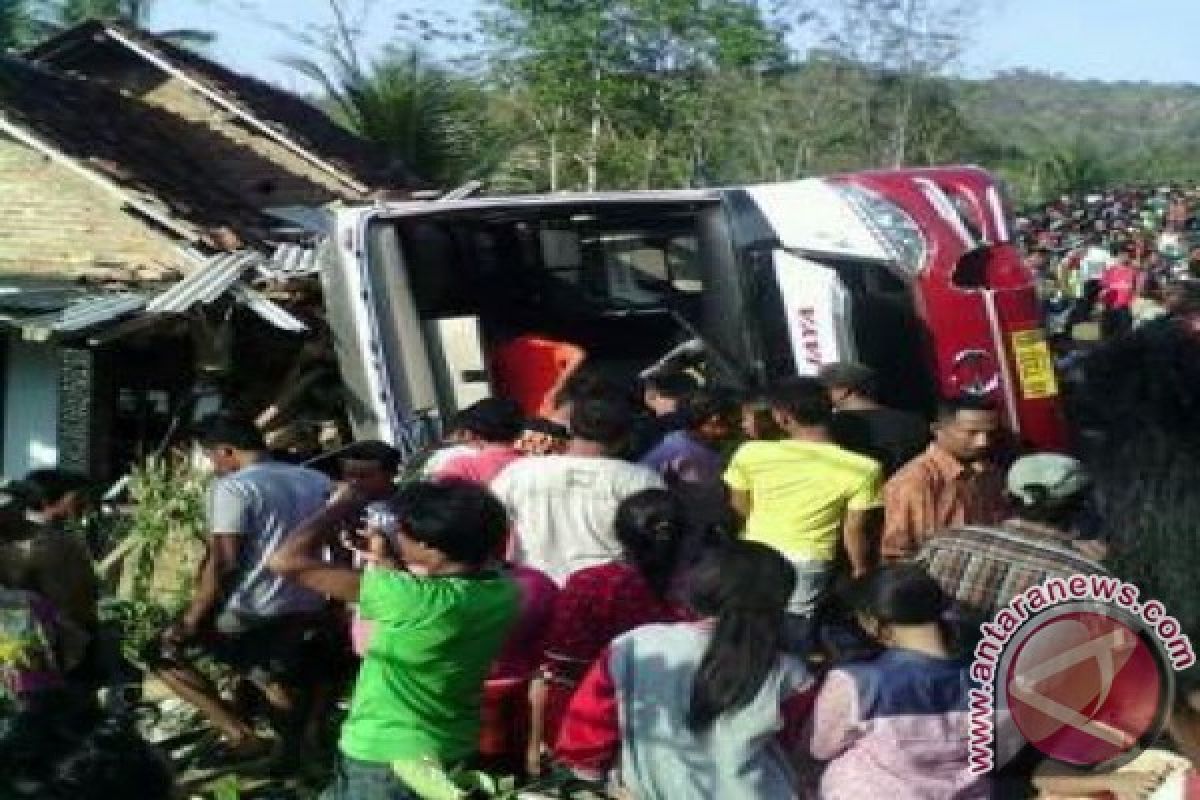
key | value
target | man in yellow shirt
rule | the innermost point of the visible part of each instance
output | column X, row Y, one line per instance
column 803, row 495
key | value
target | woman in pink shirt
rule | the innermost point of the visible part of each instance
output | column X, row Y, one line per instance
column 490, row 428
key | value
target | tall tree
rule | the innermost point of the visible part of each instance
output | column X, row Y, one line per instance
column 904, row 45
column 432, row 119
column 1077, row 166
column 592, row 73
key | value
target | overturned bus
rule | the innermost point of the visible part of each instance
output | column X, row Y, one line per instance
column 912, row 272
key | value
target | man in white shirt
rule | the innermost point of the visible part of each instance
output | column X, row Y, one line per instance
column 562, row 506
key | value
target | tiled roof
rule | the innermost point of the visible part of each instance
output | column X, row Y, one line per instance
column 126, row 145
column 284, row 112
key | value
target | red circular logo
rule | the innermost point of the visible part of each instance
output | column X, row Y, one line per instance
column 975, row 372
column 1086, row 687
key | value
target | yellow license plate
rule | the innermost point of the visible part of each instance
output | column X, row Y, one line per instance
column 1034, row 365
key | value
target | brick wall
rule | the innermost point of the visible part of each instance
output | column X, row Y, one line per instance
column 262, row 171
column 53, row 221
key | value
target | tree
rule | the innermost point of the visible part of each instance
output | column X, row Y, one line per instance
column 432, row 119
column 417, row 112
column 17, row 24
column 60, row 15
column 1077, row 167
column 904, row 45
column 611, row 91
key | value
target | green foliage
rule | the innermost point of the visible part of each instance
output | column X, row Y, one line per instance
column 168, row 496
column 167, row 522
column 72, row 12
column 140, row 622
column 1076, row 168
column 48, row 17
column 423, row 114
column 228, row 788
column 18, row 24
column 623, row 94
column 615, row 93
column 1066, row 132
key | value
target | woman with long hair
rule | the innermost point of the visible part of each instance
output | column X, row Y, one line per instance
column 895, row 725
column 705, row 709
column 600, row 603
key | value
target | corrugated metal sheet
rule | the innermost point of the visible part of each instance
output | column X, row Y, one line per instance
column 205, row 284
column 21, row 301
column 272, row 313
column 290, row 261
column 80, row 316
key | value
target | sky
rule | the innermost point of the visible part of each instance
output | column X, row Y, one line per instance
column 1150, row 40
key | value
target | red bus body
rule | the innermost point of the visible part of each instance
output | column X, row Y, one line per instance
column 978, row 300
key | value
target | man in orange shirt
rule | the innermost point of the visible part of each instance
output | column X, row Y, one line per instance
column 532, row 369
column 952, row 483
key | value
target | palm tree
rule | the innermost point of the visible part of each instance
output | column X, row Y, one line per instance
column 422, row 114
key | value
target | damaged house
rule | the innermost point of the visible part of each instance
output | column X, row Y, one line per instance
column 268, row 146
column 151, row 265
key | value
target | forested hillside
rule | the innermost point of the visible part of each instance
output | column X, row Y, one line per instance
column 1138, row 132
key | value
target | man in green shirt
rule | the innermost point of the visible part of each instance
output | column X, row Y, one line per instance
column 438, row 624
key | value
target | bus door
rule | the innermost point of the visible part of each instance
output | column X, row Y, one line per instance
column 818, row 311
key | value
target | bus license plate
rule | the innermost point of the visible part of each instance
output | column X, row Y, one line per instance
column 1035, row 365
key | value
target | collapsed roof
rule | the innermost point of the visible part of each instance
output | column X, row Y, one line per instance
column 126, row 148
column 288, row 118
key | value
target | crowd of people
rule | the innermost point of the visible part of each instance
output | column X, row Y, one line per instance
column 711, row 616
column 669, row 590
column 1119, row 258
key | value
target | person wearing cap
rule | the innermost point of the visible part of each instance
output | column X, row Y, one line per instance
column 861, row 424
column 983, row 567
